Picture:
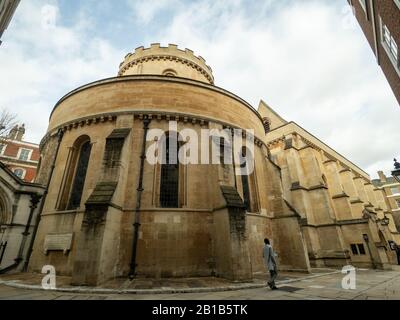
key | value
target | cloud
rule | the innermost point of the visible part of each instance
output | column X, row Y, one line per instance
column 146, row 11
column 308, row 59
column 42, row 60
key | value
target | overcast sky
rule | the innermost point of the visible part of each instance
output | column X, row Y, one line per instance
column 307, row 59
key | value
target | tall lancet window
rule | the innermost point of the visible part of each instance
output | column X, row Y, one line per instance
column 249, row 188
column 76, row 174
column 80, row 176
column 169, row 183
column 245, row 181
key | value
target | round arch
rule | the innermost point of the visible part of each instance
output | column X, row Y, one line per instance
column 5, row 208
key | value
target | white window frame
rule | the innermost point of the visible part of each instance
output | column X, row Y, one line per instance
column 397, row 2
column 363, row 4
column 2, row 149
column 23, row 172
column 20, row 152
column 389, row 47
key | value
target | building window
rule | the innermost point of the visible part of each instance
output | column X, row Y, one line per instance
column 24, row 154
column 170, row 73
column 398, row 203
column 361, row 249
column 169, row 181
column 248, row 182
column 2, row 148
column 397, row 2
column 245, row 183
column 20, row 173
column 364, row 5
column 394, row 190
column 390, row 46
column 75, row 174
column 354, row 249
column 267, row 125
column 246, row 192
column 80, row 176
column 357, row 249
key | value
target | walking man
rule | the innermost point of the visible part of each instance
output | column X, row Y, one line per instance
column 270, row 263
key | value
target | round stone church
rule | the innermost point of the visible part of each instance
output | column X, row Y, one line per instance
column 109, row 212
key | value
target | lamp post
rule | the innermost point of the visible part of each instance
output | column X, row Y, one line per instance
column 396, row 171
column 385, row 221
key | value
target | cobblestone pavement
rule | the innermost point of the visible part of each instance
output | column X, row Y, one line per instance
column 370, row 285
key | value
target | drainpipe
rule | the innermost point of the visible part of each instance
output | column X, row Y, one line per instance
column 136, row 225
column 233, row 156
column 39, row 214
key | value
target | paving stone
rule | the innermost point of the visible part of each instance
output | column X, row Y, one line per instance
column 65, row 297
column 369, row 286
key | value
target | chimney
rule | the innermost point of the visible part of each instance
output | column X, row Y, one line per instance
column 13, row 133
column 21, row 132
column 382, row 176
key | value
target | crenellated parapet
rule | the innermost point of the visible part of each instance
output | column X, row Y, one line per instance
column 168, row 61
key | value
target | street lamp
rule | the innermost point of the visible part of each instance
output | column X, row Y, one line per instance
column 396, row 171
column 385, row 221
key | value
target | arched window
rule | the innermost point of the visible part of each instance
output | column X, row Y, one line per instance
column 75, row 174
column 250, row 197
column 80, row 176
column 245, row 181
column 170, row 73
column 20, row 173
column 267, row 125
column 169, row 180
column 5, row 212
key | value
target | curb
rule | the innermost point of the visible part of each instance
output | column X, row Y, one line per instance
column 17, row 285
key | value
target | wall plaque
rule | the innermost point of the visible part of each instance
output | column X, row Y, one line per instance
column 58, row 242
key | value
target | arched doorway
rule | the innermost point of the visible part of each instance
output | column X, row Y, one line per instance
column 5, row 220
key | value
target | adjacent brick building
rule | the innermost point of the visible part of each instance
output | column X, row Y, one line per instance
column 391, row 188
column 380, row 22
column 19, row 156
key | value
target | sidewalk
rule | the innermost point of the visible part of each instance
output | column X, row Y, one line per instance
column 31, row 281
column 370, row 285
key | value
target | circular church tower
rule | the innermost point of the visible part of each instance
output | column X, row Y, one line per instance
column 113, row 209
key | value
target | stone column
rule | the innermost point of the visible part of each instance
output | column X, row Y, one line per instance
column 340, row 198
column 231, row 252
column 356, row 205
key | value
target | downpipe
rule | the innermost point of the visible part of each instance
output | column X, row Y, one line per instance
column 136, row 225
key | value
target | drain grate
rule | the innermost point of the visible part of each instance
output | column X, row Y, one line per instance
column 289, row 289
